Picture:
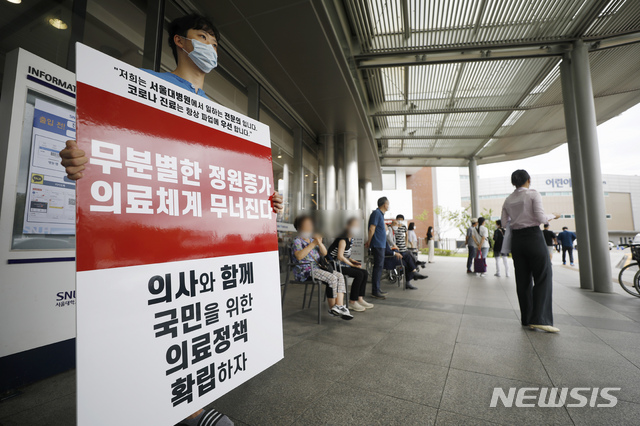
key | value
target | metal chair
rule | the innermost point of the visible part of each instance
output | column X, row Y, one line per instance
column 313, row 284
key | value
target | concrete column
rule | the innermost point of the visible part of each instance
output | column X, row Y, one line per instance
column 351, row 172
column 322, row 180
column 592, row 175
column 298, row 172
column 473, row 187
column 369, row 202
column 577, row 172
column 329, row 171
column 341, row 185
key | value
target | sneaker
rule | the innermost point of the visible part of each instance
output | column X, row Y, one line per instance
column 356, row 306
column 335, row 311
column 378, row 296
column 344, row 313
column 365, row 304
column 507, row 275
column 483, row 274
column 573, row 264
column 497, row 275
column 383, row 293
column 469, row 271
column 564, row 263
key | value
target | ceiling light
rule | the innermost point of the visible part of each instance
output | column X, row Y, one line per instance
column 15, row 1
column 58, row 23
column 306, row 175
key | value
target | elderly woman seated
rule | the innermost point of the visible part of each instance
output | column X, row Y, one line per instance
column 306, row 251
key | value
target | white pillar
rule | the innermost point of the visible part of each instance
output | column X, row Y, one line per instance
column 352, row 192
column 473, row 187
column 577, row 172
column 330, row 172
column 592, row 174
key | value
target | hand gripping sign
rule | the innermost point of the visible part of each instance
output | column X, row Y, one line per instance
column 177, row 264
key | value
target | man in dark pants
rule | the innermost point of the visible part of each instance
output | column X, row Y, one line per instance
column 566, row 239
column 377, row 242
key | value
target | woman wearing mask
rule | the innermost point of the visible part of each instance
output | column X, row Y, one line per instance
column 340, row 250
column 530, row 254
column 308, row 247
column 431, row 245
column 480, row 237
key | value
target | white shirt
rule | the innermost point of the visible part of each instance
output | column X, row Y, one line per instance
column 524, row 208
column 413, row 239
column 478, row 234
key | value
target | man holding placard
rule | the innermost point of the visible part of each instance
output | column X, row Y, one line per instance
column 194, row 42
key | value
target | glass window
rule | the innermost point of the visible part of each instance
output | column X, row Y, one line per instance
column 43, row 28
column 388, row 180
column 116, row 27
column 283, row 177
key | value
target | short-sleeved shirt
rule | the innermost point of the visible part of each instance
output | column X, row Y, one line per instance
column 333, row 248
column 401, row 238
column 178, row 81
column 470, row 236
column 303, row 272
column 548, row 236
column 482, row 231
column 379, row 236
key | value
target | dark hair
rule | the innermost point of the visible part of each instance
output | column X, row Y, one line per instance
column 499, row 222
column 564, row 228
column 382, row 201
column 546, row 225
column 412, row 226
column 482, row 219
column 430, row 229
column 297, row 223
column 519, row 178
column 180, row 26
column 400, row 216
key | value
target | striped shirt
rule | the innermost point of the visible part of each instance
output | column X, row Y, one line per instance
column 333, row 248
column 401, row 238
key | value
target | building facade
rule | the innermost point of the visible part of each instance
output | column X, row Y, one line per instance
column 621, row 193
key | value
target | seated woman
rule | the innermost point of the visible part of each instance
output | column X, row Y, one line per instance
column 306, row 250
column 340, row 250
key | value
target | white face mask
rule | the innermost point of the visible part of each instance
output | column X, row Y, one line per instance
column 354, row 231
column 306, row 235
column 395, row 228
column 203, row 55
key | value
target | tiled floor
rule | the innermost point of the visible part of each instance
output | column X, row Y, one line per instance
column 431, row 356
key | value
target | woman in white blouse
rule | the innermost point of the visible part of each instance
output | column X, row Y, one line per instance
column 523, row 210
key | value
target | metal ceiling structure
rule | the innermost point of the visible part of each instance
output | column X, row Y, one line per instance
column 450, row 80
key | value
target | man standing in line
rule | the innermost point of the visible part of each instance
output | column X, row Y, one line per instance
column 566, row 239
column 550, row 239
column 377, row 242
column 471, row 248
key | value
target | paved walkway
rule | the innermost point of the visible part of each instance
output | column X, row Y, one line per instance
column 422, row 357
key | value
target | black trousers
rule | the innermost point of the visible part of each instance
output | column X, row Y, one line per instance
column 533, row 276
column 564, row 254
column 359, row 285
